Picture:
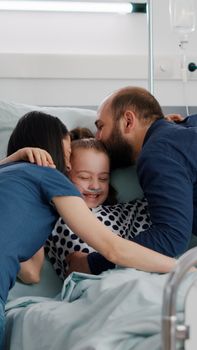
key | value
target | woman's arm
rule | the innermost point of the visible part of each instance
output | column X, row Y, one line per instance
column 30, row 269
column 32, row 155
column 122, row 252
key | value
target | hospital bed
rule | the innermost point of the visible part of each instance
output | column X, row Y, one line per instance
column 121, row 309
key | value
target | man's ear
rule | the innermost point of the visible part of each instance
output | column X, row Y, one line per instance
column 129, row 121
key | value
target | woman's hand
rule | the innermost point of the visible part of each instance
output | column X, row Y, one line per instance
column 32, row 155
column 30, row 270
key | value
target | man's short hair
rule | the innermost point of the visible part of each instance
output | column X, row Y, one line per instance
column 139, row 100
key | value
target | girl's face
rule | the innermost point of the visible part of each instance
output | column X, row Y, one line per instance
column 90, row 173
column 67, row 151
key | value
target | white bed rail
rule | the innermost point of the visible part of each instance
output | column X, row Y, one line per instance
column 171, row 330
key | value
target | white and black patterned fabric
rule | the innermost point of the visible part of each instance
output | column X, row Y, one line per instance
column 126, row 219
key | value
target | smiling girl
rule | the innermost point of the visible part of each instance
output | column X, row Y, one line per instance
column 90, row 172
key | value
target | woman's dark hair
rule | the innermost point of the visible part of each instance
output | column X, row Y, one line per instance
column 38, row 129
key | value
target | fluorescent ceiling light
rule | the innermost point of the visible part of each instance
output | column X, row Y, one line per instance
column 66, row 6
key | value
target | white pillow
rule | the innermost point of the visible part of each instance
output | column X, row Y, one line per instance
column 11, row 112
column 124, row 180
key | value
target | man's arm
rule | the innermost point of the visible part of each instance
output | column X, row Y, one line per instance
column 169, row 191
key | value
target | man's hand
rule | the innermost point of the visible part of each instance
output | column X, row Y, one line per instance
column 78, row 262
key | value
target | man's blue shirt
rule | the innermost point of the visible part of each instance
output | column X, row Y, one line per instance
column 27, row 215
column 167, row 171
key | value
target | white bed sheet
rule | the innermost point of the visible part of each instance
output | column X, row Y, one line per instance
column 118, row 310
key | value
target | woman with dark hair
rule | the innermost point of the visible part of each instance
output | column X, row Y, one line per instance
column 32, row 198
column 36, row 129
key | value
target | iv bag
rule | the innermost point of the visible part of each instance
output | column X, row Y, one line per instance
column 182, row 15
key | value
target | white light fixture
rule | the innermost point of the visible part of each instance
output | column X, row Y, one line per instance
column 150, row 46
column 67, row 6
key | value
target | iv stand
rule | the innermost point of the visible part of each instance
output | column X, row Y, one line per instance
column 150, row 46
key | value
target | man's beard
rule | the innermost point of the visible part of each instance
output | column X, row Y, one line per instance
column 120, row 151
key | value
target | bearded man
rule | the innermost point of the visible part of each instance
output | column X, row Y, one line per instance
column 131, row 124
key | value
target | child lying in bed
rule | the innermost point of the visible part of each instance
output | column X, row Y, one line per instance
column 90, row 172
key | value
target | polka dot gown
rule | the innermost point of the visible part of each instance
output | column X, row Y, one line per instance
column 126, row 219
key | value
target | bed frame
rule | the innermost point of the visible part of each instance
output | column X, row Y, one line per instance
column 172, row 330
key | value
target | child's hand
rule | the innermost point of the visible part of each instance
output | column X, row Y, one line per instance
column 32, row 155
column 30, row 270
column 174, row 117
column 78, row 262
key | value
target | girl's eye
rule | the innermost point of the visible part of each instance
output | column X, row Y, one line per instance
column 83, row 178
column 104, row 179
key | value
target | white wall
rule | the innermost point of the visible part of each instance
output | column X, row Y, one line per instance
column 79, row 58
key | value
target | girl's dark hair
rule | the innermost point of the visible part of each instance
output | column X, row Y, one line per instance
column 38, row 129
column 96, row 145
